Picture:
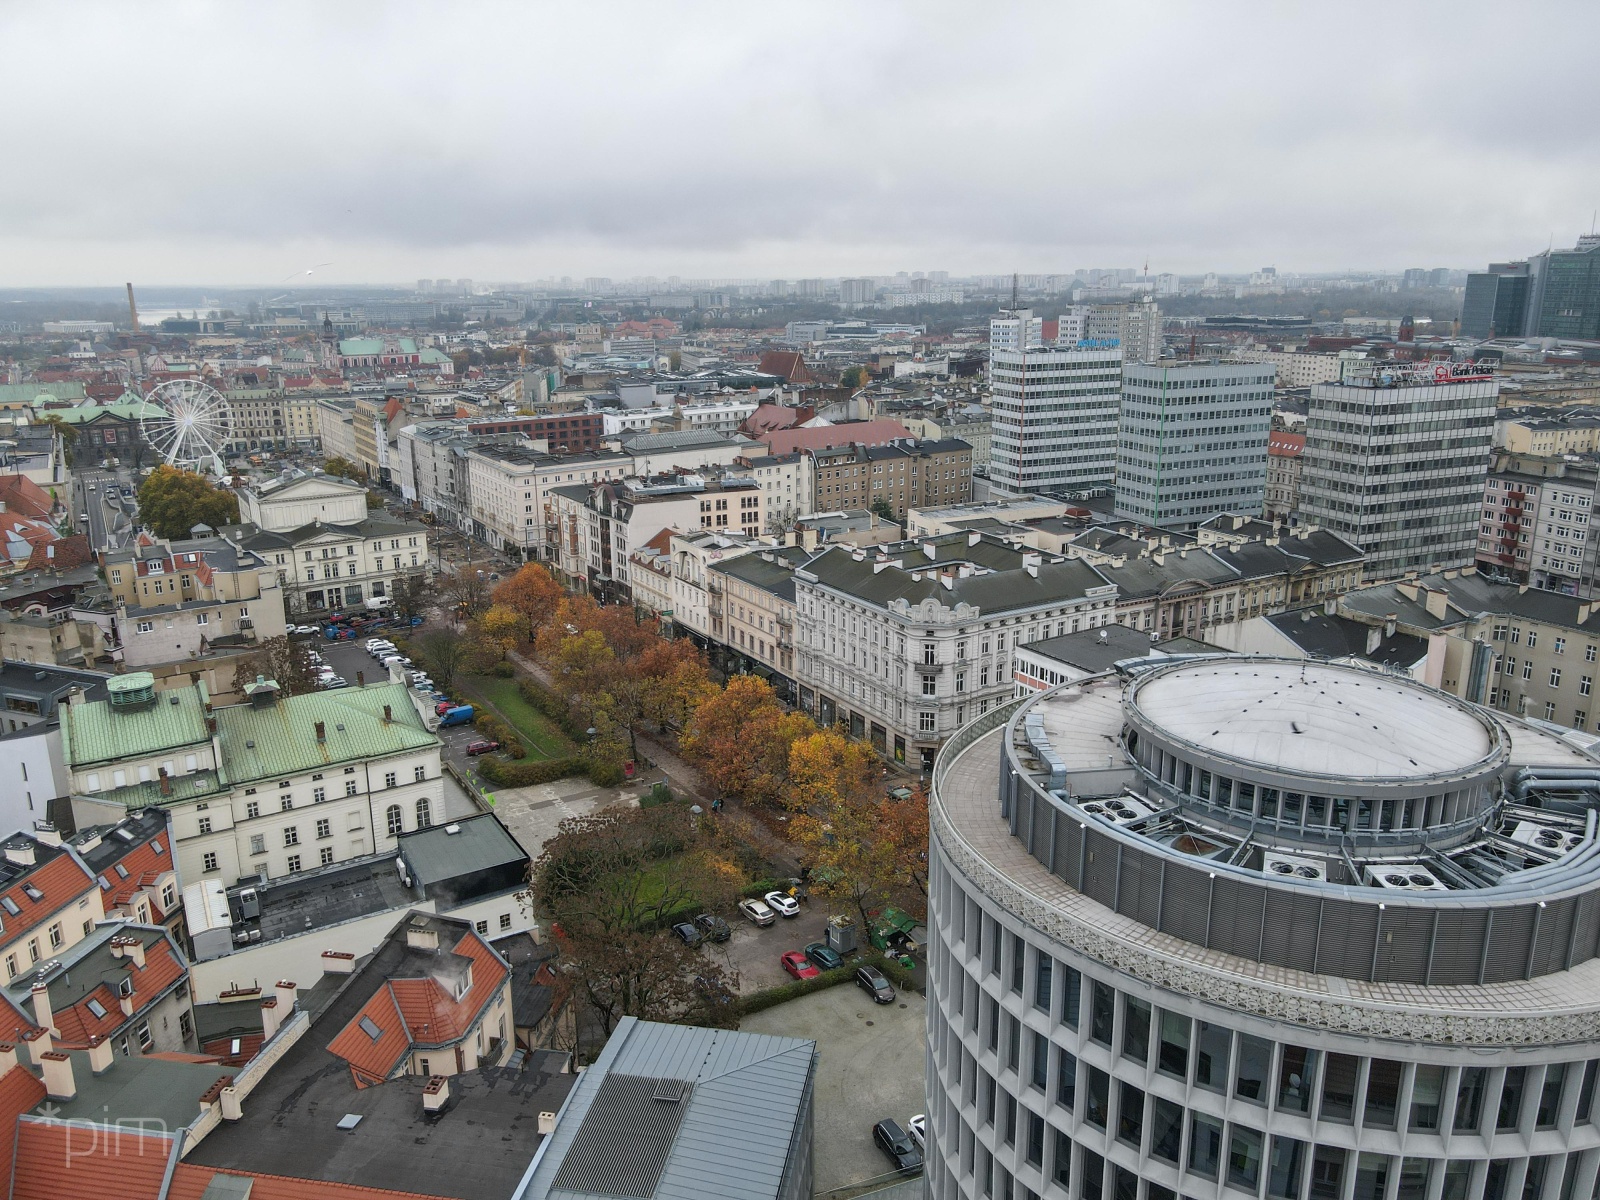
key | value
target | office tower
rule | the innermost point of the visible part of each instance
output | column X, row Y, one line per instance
column 1135, row 326
column 1395, row 460
column 1055, row 410
column 1496, row 301
column 1566, row 292
column 1246, row 927
column 1192, row 440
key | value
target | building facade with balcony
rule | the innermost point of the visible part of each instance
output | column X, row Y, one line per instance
column 905, row 644
column 1258, row 928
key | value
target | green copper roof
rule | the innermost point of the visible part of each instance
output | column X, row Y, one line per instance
column 355, row 346
column 280, row 739
column 195, row 786
column 98, row 732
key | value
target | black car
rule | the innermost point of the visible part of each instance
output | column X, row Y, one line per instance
column 689, row 935
column 871, row 980
column 824, row 956
column 897, row 1144
column 713, row 928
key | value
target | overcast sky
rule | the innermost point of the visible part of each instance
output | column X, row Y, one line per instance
column 241, row 143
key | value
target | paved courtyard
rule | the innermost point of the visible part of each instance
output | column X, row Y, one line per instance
column 871, row 1065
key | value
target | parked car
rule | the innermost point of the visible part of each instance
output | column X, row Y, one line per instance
column 338, row 681
column 757, row 912
column 872, row 981
column 687, row 933
column 782, row 903
column 796, row 964
column 484, row 747
column 897, row 1144
column 824, row 956
column 917, row 1127
column 713, row 927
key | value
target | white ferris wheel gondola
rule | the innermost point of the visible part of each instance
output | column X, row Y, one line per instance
column 192, row 427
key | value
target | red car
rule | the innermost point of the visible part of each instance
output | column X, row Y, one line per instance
column 798, row 965
column 483, row 747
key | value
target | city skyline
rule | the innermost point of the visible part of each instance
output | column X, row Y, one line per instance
column 299, row 145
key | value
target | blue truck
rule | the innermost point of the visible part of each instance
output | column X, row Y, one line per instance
column 458, row 715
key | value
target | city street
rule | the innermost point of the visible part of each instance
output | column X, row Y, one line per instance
column 90, row 497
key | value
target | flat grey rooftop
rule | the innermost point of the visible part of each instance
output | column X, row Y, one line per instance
column 319, row 899
column 1314, row 719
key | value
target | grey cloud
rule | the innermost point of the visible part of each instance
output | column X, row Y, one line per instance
column 217, row 142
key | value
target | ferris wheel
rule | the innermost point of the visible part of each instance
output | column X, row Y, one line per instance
column 192, row 427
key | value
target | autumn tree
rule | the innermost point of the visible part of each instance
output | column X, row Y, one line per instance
column 345, row 469
column 503, row 627
column 173, row 501
column 410, row 594
column 281, row 660
column 611, row 880
column 855, row 857
column 467, row 590
column 443, row 651
column 740, row 740
column 534, row 595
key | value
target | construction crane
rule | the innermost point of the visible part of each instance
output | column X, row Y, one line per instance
column 133, row 309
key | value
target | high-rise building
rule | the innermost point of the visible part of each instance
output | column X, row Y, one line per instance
column 857, row 291
column 1055, row 410
column 1555, row 294
column 1496, row 301
column 1395, row 460
column 1245, row 927
column 1136, row 327
column 1192, row 440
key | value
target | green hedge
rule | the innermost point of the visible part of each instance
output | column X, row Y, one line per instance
column 496, row 730
column 546, row 770
column 554, row 707
column 525, row 773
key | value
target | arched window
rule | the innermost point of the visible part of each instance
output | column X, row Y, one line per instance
column 396, row 822
column 424, row 813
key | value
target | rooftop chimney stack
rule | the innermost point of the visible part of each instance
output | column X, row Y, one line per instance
column 322, row 731
column 41, row 1006
column 58, row 1081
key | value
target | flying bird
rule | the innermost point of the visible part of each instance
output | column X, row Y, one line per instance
column 307, row 271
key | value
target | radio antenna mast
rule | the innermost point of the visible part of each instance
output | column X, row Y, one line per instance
column 1014, row 291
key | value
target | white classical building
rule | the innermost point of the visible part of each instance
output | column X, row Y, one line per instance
column 271, row 787
column 315, row 532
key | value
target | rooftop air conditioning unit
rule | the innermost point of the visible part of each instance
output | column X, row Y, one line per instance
column 1403, row 877
column 1292, row 866
column 1552, row 841
column 1119, row 810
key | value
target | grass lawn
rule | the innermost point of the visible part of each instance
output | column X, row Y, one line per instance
column 541, row 736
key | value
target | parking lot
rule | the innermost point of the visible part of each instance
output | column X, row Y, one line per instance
column 753, row 952
column 870, row 1066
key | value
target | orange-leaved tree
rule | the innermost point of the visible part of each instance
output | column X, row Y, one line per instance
column 740, row 739
column 533, row 595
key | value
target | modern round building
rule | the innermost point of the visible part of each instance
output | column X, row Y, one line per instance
column 1253, row 927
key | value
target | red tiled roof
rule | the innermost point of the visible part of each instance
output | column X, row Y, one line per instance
column 789, row 364
column 144, row 865
column 20, row 1092
column 420, row 1012
column 1289, row 445
column 372, row 1061
column 877, row 432
column 22, row 495
column 60, row 881
column 55, row 1161
column 76, row 1024
column 189, row 1182
column 64, row 555
column 222, row 1048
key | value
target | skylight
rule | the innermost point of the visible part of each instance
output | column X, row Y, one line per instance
column 370, row 1028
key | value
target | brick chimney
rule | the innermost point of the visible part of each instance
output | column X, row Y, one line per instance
column 8, row 1057
column 437, row 1094
column 166, row 782
column 271, row 1017
column 322, row 731
column 100, row 1056
column 58, row 1081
